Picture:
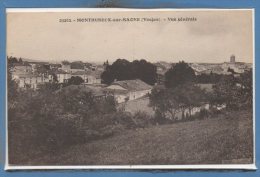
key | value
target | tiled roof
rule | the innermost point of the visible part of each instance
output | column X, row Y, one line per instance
column 61, row 72
column 27, row 75
column 96, row 74
column 79, row 73
column 21, row 64
column 133, row 85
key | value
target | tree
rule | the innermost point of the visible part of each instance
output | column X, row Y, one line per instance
column 164, row 103
column 107, row 76
column 226, row 91
column 122, row 69
column 211, row 78
column 77, row 65
column 11, row 61
column 65, row 62
column 106, row 64
column 75, row 80
column 179, row 74
column 246, row 87
column 189, row 96
column 12, row 88
column 167, row 101
column 234, row 92
column 77, row 101
column 145, row 71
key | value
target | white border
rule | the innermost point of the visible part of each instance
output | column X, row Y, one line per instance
column 254, row 125
column 135, row 167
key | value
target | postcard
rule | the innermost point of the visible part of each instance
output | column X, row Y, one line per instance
column 130, row 89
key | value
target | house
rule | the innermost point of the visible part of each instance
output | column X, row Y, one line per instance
column 81, row 74
column 77, row 66
column 55, row 66
column 129, row 90
column 89, row 77
column 65, row 66
column 30, row 80
column 62, row 76
column 21, row 68
column 93, row 77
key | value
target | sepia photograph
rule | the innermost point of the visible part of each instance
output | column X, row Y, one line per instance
column 130, row 88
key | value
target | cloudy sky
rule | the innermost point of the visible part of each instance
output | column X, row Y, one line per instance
column 213, row 37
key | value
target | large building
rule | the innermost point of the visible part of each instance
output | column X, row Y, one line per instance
column 21, row 68
column 129, row 90
column 32, row 81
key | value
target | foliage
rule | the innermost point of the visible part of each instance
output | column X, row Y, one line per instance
column 12, row 60
column 122, row 69
column 208, row 78
column 49, row 87
column 12, row 89
column 246, row 87
column 231, row 70
column 75, row 80
column 179, row 74
column 233, row 92
column 77, row 65
column 164, row 101
column 65, row 62
column 167, row 101
column 142, row 119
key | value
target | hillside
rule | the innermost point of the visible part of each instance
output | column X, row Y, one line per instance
column 227, row 138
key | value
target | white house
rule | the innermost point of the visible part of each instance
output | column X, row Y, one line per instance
column 89, row 77
column 30, row 80
column 65, row 66
column 62, row 76
column 21, row 68
column 129, row 89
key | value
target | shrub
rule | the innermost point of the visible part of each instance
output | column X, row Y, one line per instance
column 142, row 119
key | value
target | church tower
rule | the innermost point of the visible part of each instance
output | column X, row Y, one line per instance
column 232, row 59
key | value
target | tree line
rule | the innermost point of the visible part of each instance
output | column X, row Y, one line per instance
column 122, row 69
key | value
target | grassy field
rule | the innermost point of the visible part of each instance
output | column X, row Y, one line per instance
column 227, row 138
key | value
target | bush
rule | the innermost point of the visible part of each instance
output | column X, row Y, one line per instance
column 142, row 119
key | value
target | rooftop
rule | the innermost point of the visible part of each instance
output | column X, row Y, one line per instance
column 133, row 85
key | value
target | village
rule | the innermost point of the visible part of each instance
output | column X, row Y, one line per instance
column 33, row 74
column 83, row 102
column 130, row 94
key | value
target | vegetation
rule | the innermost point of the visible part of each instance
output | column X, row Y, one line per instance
column 122, row 69
column 226, row 138
column 77, row 65
column 65, row 62
column 208, row 78
column 179, row 94
column 75, row 80
column 179, row 74
column 233, row 92
column 167, row 102
column 50, row 120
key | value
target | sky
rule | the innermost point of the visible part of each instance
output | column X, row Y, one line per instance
column 212, row 38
